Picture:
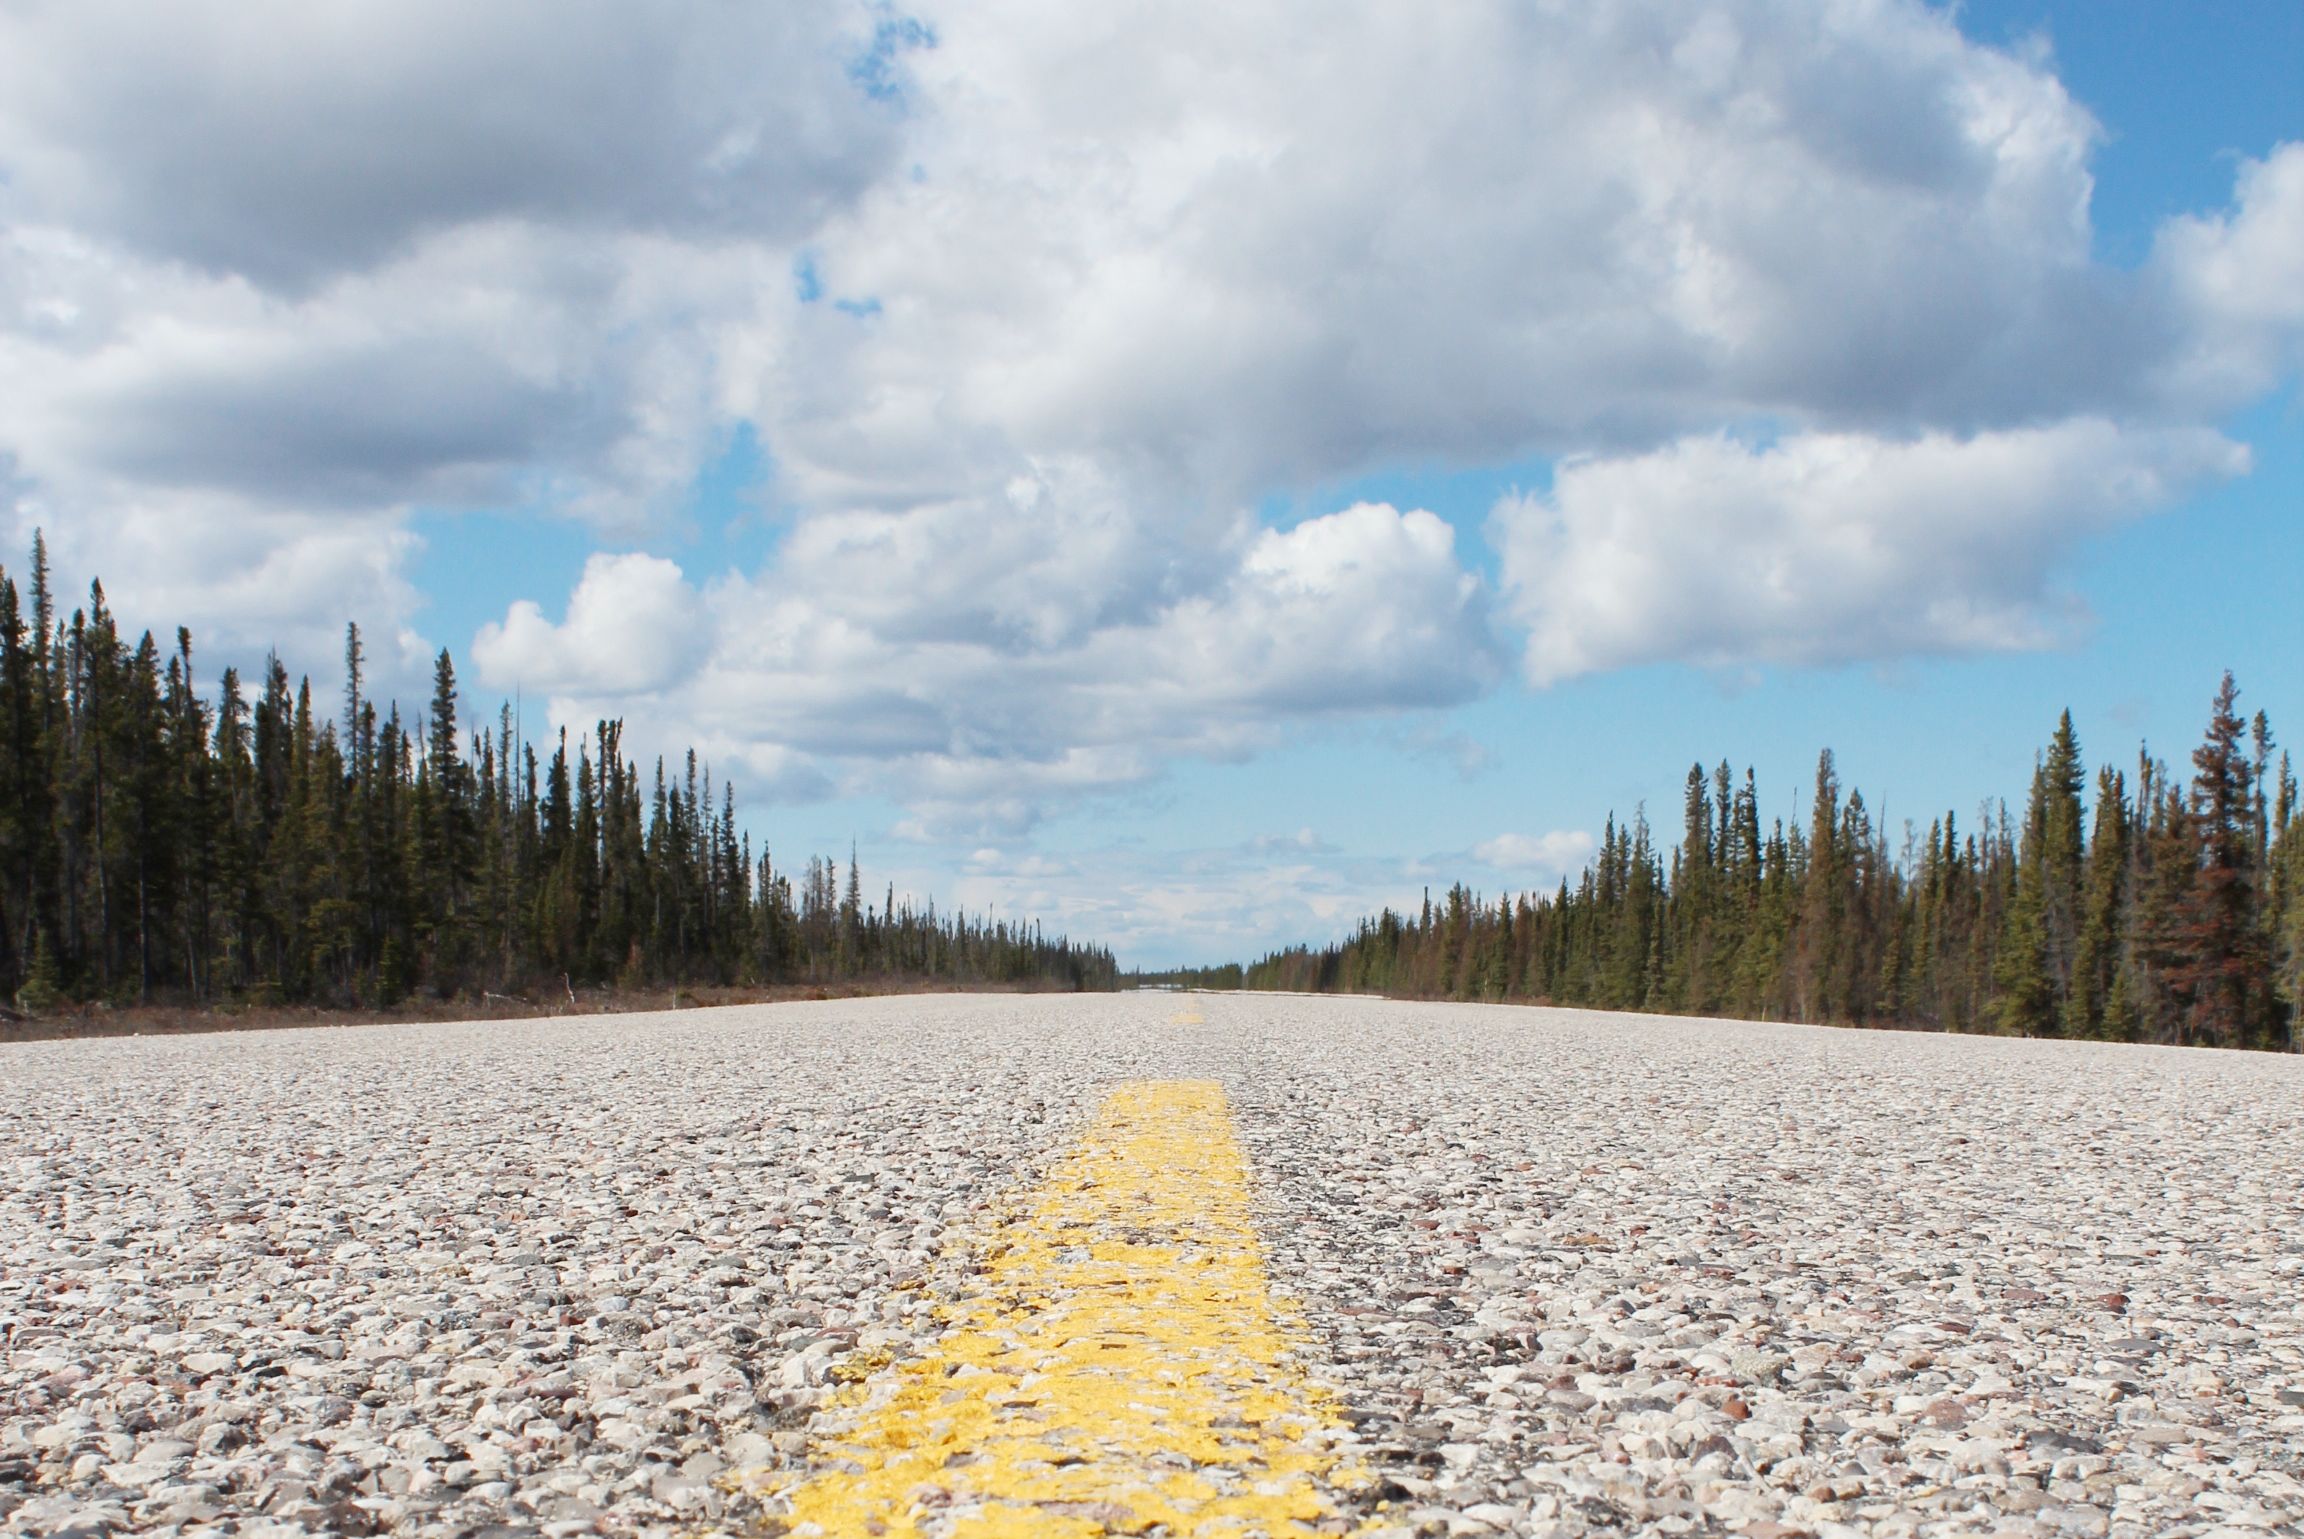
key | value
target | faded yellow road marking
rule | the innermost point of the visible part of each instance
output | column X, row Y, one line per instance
column 1123, row 1365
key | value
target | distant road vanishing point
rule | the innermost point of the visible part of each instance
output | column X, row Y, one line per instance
column 1148, row 1264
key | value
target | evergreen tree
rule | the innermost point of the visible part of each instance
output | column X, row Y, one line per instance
column 2058, row 866
column 2179, row 918
column 153, row 846
column 2097, row 960
column 2022, row 973
column 1817, row 986
column 2026, row 1006
column 2286, row 918
column 2221, row 969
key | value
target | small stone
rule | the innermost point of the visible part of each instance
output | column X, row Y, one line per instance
column 749, row 1448
column 1546, row 1260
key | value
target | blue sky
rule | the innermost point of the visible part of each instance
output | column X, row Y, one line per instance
column 1197, row 504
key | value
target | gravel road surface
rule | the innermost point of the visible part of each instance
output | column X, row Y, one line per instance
column 1567, row 1272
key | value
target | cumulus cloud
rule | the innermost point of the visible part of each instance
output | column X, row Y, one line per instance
column 1559, row 853
column 271, row 268
column 1030, row 305
column 1189, row 241
column 632, row 625
column 980, row 715
column 486, row 366
column 1166, row 906
column 1364, row 609
column 249, row 583
column 1188, row 906
column 2237, row 282
column 1302, row 842
column 1826, row 547
column 286, row 143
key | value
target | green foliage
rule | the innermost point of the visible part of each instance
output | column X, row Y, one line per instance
column 2284, row 915
column 153, row 845
column 2179, row 916
column 41, row 991
column 2026, row 1001
column 2097, row 983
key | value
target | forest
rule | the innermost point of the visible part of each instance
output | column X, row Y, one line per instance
column 159, row 845
column 2166, row 907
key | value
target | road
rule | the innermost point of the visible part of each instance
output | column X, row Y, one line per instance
column 1061, row 1265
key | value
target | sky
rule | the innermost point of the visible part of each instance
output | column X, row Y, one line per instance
column 1190, row 472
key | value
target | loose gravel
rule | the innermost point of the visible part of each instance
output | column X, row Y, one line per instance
column 1570, row 1273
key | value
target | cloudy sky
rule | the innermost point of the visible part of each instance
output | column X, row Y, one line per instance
column 1191, row 471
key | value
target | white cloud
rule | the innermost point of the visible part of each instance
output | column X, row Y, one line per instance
column 197, row 441
column 1826, row 547
column 289, row 142
column 1028, row 319
column 247, row 579
column 1193, row 240
column 268, row 270
column 1166, row 906
column 1360, row 610
column 633, row 625
column 1191, row 906
column 979, row 715
column 1304, row 841
column 2238, row 284
column 1562, row 852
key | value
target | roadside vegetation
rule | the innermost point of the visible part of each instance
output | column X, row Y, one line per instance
column 2166, row 908
column 256, row 849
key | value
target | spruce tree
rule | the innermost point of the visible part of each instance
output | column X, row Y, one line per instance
column 42, row 990
column 2286, row 918
column 2026, row 1003
column 1823, row 904
column 2021, row 973
column 2097, row 958
column 2221, row 969
column 2062, row 854
column 1693, row 986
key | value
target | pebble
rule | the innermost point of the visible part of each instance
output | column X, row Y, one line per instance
column 1569, row 1273
column 1619, row 1273
column 447, row 1279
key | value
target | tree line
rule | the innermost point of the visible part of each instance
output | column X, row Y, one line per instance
column 157, row 846
column 2166, row 908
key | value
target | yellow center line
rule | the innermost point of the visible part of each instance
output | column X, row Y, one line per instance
column 1121, row 1366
